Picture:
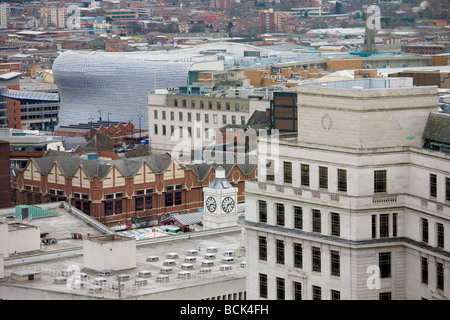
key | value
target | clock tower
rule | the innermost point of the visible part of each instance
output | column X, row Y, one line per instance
column 220, row 202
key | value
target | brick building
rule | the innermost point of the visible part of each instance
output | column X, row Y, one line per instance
column 121, row 191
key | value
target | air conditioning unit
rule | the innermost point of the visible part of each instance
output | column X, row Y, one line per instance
column 60, row 280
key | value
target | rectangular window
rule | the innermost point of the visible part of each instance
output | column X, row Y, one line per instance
column 298, row 255
column 155, row 114
column 270, row 170
column 316, row 221
column 385, row 264
column 169, row 199
column 215, row 121
column 335, row 295
column 262, row 285
column 108, row 208
column 198, row 117
column 447, row 189
column 219, row 106
column 178, row 198
column 335, row 263
column 192, row 103
column 323, row 177
column 242, row 119
column 439, row 276
column 262, row 211
column 342, row 180
column 424, row 263
column 262, row 248
column 280, row 214
column 164, row 131
column 164, row 115
column 189, row 115
column 202, row 105
column 384, row 225
column 233, row 119
column 424, row 230
column 236, row 106
column 304, row 174
column 206, row 118
column 374, row 226
column 317, row 293
column 210, row 104
column 224, row 119
column 280, row 251
column 180, row 116
column 385, row 296
column 379, row 181
column 440, row 235
column 394, row 224
column 172, row 115
column 297, row 291
column 433, row 185
column 335, row 224
column 175, row 102
column 287, row 172
column 280, row 289
column 118, row 206
column 148, row 202
column 298, row 218
column 316, row 259
column 184, row 103
column 139, row 201
column 155, row 129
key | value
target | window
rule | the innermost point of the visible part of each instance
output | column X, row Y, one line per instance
column 440, row 235
column 139, row 201
column 108, row 208
column 374, row 226
column 192, row 103
column 189, row 115
column 233, row 119
column 316, row 259
column 298, row 218
column 280, row 214
column 304, row 174
column 202, row 105
column 316, row 220
column 242, row 119
column 178, row 198
column 262, row 248
column 270, row 172
column 215, row 121
column 439, row 276
column 198, row 117
column 164, row 131
column 385, row 264
column 118, row 207
column 287, row 172
column 184, row 103
column 447, row 189
column 379, row 181
column 148, row 202
column 433, row 185
column 224, row 119
column 394, row 224
column 206, row 118
column 335, row 295
column 280, row 251
column 335, row 224
column 424, row 230
column 342, row 180
column 156, row 129
column 385, row 296
column 262, row 285
column 180, row 116
column 317, row 293
column 155, row 114
column 297, row 291
column 175, row 102
column 280, row 289
column 236, row 106
column 169, row 199
column 219, row 105
column 335, row 263
column 172, row 115
column 227, row 105
column 164, row 115
column 262, row 211
column 172, row 129
column 424, row 263
column 298, row 255
column 384, row 225
column 323, row 177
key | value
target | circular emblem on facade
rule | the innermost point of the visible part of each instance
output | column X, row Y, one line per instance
column 236, row 176
column 68, row 191
column 228, row 204
column 189, row 182
column 326, row 122
column 96, row 194
column 159, row 187
column 211, row 204
column 130, row 190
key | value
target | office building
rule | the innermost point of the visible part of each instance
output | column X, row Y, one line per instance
column 354, row 207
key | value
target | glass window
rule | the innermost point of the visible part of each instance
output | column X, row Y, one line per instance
column 262, row 248
column 280, row 251
column 280, row 214
column 424, row 263
column 298, row 255
column 118, row 207
column 335, row 224
column 379, row 181
column 139, row 201
column 317, row 293
column 287, row 172
column 316, row 259
column 280, row 289
column 323, row 177
column 335, row 263
column 385, row 264
column 424, row 223
column 298, row 217
column 304, row 173
column 440, row 235
column 342, row 180
column 384, row 225
column 433, row 185
column 262, row 285
column 262, row 211
column 316, row 220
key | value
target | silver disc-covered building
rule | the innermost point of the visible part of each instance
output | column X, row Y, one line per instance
column 117, row 85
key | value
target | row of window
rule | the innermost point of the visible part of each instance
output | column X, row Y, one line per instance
column 440, row 234
column 434, row 187
column 316, row 215
column 208, row 133
column 297, row 289
column 384, row 264
column 210, row 104
column 143, row 203
column 198, row 117
column 316, row 256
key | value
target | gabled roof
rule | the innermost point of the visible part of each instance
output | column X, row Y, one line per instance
column 438, row 127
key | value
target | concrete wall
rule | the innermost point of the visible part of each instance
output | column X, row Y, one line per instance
column 23, row 238
column 116, row 254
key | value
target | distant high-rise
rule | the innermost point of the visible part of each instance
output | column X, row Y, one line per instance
column 369, row 36
column 4, row 15
column 270, row 21
column 53, row 17
column 220, row 4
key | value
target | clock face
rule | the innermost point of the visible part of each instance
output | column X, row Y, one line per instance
column 228, row 204
column 211, row 204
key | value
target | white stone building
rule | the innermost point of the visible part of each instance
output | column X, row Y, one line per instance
column 191, row 121
column 354, row 207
